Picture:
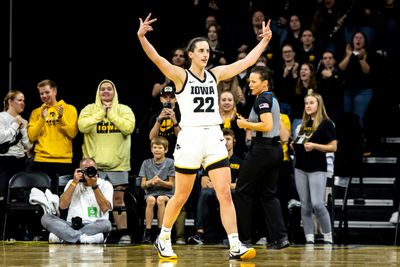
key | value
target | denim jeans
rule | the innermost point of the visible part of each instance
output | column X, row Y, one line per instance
column 357, row 102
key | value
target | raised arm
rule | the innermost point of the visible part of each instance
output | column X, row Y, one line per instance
column 224, row 72
column 172, row 72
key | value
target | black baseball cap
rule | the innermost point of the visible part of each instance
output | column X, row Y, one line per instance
column 168, row 90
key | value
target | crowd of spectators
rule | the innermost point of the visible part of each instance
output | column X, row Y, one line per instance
column 347, row 51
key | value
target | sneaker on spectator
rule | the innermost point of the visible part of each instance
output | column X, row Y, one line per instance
column 180, row 241
column 283, row 243
column 262, row 241
column 294, row 203
column 241, row 252
column 395, row 218
column 196, row 239
column 91, row 239
column 164, row 248
column 55, row 239
column 146, row 240
column 125, row 239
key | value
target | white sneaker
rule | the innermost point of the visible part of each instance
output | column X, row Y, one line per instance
column 395, row 218
column 262, row 241
column 293, row 203
column 92, row 239
column 125, row 239
column 55, row 239
column 180, row 241
column 164, row 248
column 241, row 252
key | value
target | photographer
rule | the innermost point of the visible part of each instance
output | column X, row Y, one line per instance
column 165, row 123
column 88, row 199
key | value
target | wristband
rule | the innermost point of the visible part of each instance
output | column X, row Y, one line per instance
column 73, row 183
column 159, row 120
column 95, row 187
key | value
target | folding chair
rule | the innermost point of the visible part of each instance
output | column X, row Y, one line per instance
column 19, row 189
column 62, row 182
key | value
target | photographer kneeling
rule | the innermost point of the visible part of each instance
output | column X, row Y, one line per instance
column 88, row 199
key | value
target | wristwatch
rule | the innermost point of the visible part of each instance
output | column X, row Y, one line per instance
column 95, row 187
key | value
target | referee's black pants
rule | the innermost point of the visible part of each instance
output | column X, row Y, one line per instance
column 257, row 181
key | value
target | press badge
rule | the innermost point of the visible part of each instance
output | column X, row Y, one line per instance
column 92, row 212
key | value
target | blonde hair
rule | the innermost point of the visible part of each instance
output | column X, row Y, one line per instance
column 11, row 95
column 48, row 82
column 320, row 114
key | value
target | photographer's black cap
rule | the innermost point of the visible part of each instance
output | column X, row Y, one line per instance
column 168, row 90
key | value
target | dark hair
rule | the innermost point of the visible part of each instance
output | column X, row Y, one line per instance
column 192, row 45
column 366, row 45
column 228, row 131
column 263, row 71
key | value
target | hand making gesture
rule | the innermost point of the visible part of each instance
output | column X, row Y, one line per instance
column 145, row 26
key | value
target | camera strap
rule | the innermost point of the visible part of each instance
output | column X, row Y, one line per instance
column 7, row 145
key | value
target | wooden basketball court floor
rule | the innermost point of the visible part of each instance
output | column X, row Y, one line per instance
column 40, row 253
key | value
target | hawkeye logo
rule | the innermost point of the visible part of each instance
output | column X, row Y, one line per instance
column 107, row 127
column 52, row 118
column 166, row 128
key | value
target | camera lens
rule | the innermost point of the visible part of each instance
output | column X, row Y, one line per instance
column 90, row 171
column 167, row 105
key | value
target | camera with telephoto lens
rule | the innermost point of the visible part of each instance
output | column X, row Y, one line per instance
column 76, row 223
column 89, row 172
column 167, row 105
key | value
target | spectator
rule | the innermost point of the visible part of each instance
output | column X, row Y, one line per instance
column 14, row 143
column 233, row 85
column 357, row 66
column 287, row 193
column 228, row 112
column 178, row 58
column 88, row 199
column 216, row 45
column 330, row 80
column 293, row 35
column 166, row 121
column 107, row 126
column 285, row 78
column 309, row 51
column 327, row 23
column 51, row 128
column 158, row 177
column 306, row 83
column 316, row 138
